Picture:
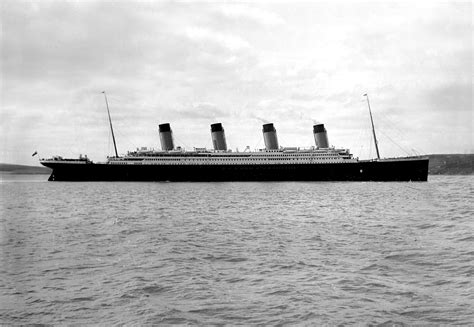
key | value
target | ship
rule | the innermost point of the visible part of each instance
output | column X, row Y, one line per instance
column 320, row 162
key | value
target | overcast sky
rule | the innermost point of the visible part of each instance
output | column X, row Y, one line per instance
column 242, row 64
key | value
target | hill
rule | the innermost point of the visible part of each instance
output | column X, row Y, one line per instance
column 22, row 169
column 451, row 164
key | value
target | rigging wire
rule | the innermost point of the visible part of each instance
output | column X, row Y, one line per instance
column 386, row 119
column 186, row 146
column 368, row 137
column 395, row 143
column 390, row 126
column 108, row 143
column 258, row 144
column 125, row 139
column 370, row 148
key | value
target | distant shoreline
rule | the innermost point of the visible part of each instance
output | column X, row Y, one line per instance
column 440, row 164
column 23, row 169
column 451, row 164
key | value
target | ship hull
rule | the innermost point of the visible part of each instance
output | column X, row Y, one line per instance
column 382, row 170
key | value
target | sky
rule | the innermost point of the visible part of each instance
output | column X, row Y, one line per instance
column 243, row 64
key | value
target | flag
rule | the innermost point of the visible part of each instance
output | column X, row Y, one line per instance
column 34, row 154
column 365, row 95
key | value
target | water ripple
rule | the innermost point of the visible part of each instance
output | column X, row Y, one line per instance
column 386, row 254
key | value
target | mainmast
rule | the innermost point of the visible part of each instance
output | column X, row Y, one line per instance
column 110, row 121
column 373, row 128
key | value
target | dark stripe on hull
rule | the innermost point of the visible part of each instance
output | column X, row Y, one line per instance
column 399, row 170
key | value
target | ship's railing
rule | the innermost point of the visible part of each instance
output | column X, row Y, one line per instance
column 256, row 160
column 403, row 158
column 66, row 160
column 204, row 151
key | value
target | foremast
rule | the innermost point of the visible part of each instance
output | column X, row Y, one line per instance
column 110, row 122
column 373, row 128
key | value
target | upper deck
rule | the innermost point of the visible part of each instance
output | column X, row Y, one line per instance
column 210, row 157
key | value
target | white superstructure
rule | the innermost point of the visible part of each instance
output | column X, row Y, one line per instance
column 262, row 157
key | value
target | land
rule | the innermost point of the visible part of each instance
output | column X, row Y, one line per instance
column 451, row 164
column 22, row 169
column 440, row 164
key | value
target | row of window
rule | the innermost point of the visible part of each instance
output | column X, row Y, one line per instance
column 228, row 159
column 245, row 158
column 169, row 160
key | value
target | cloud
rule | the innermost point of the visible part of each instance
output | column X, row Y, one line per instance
column 452, row 97
column 192, row 64
column 229, row 41
column 302, row 96
column 203, row 110
column 243, row 12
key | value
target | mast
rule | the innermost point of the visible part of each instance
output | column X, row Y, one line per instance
column 110, row 121
column 373, row 128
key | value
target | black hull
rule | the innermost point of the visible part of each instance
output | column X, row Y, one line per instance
column 383, row 170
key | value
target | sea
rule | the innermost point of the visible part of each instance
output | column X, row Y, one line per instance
column 272, row 253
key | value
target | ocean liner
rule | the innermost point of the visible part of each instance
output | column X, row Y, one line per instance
column 273, row 163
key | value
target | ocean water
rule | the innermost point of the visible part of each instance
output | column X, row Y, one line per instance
column 237, row 253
